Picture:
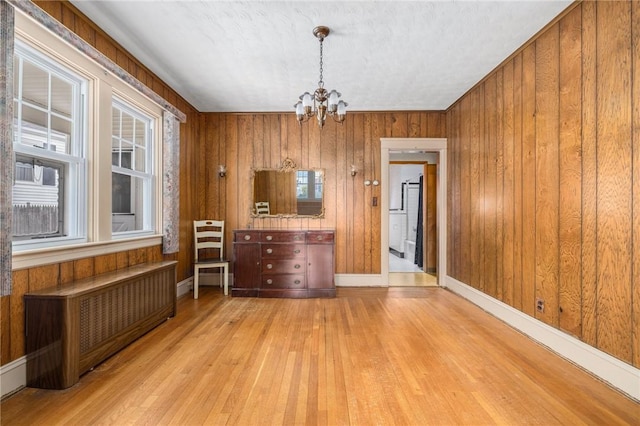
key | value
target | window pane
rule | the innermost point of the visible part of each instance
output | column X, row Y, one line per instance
column 125, row 155
column 115, row 122
column 140, row 159
column 115, row 150
column 34, row 119
column 35, row 85
column 127, row 203
column 127, row 127
column 302, row 184
column 61, row 96
column 140, row 136
column 60, row 135
column 36, row 196
column 121, row 193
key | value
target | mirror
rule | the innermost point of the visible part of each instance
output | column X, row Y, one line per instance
column 287, row 192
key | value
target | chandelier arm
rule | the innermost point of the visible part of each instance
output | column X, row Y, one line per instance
column 335, row 117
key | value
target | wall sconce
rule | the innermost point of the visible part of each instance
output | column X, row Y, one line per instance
column 354, row 171
column 222, row 170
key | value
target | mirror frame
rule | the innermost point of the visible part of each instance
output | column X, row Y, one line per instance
column 288, row 166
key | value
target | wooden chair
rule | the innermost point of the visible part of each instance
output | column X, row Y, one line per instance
column 209, row 235
column 262, row 207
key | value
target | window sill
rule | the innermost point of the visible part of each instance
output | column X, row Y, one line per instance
column 38, row 257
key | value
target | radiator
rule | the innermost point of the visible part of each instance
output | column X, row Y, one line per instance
column 74, row 328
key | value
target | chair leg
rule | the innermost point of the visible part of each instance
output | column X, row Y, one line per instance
column 196, row 273
column 226, row 280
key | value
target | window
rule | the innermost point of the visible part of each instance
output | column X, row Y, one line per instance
column 309, row 185
column 131, row 169
column 88, row 152
column 49, row 198
column 302, row 188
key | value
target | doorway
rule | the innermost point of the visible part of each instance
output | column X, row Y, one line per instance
column 412, row 219
column 400, row 264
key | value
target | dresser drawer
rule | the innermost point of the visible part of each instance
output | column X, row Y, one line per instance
column 283, row 266
column 277, row 281
column 320, row 237
column 283, row 250
column 282, row 237
column 246, row 237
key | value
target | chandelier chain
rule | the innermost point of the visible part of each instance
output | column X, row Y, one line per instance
column 321, row 83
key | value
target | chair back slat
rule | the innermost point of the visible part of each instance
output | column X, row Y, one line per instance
column 209, row 234
column 209, row 244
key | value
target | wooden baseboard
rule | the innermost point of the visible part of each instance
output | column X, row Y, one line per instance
column 360, row 280
column 618, row 374
column 13, row 377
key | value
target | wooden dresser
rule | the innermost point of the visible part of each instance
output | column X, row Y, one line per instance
column 281, row 263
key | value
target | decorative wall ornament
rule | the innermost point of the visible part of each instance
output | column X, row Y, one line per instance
column 7, row 22
column 170, row 184
column 288, row 165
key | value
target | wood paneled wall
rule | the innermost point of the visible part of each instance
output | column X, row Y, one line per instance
column 245, row 141
column 544, row 178
column 11, row 307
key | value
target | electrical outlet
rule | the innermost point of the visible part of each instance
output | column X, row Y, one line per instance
column 539, row 304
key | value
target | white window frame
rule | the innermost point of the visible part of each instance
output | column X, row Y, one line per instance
column 73, row 193
column 102, row 87
column 148, row 196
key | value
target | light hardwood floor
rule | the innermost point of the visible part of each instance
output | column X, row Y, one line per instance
column 412, row 279
column 406, row 356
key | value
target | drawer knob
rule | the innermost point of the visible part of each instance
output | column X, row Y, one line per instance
column 296, row 237
column 269, row 251
column 269, row 238
column 296, row 251
column 319, row 237
column 247, row 237
column 296, row 266
column 296, row 282
column 269, row 266
column 269, row 281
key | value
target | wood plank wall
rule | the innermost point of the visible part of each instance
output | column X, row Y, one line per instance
column 245, row 141
column 11, row 307
column 544, row 181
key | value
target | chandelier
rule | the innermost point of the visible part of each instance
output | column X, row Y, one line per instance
column 322, row 102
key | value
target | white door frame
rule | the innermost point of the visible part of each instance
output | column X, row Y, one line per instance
column 438, row 145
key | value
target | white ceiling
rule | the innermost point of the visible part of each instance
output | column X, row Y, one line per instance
column 259, row 56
